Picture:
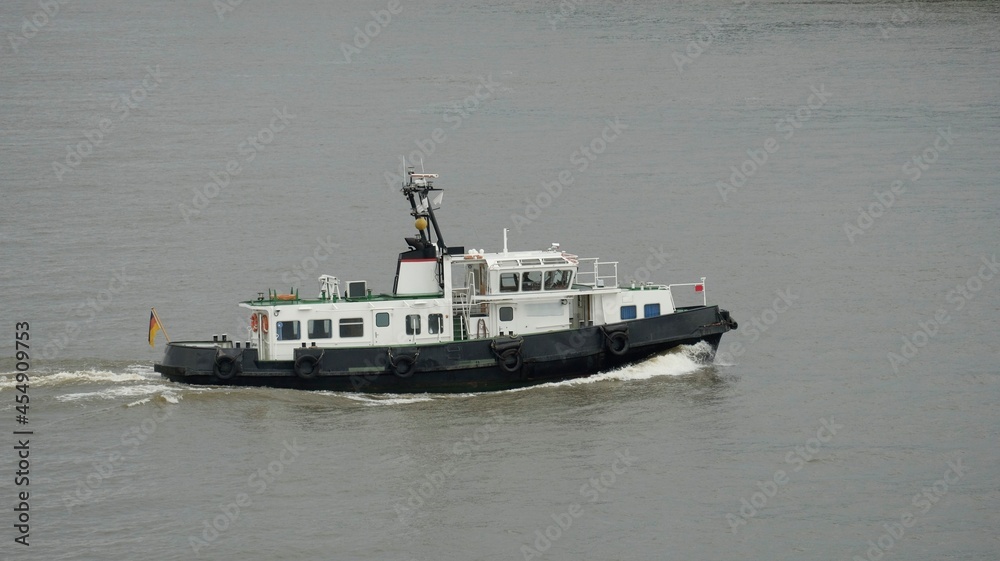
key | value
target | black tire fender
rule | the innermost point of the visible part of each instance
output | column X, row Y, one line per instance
column 307, row 366
column 510, row 359
column 402, row 365
column 618, row 343
column 226, row 367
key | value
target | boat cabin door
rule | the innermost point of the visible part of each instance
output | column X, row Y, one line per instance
column 582, row 315
column 383, row 328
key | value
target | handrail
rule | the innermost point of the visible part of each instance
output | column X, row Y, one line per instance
column 594, row 278
column 698, row 287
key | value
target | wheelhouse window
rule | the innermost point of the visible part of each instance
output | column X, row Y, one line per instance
column 413, row 324
column 508, row 282
column 506, row 313
column 287, row 330
column 352, row 327
column 320, row 329
column 651, row 310
column 557, row 280
column 382, row 319
column 531, row 280
column 435, row 323
column 628, row 312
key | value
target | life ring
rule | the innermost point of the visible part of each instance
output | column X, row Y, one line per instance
column 226, row 367
column 307, row 366
column 510, row 359
column 264, row 326
column 402, row 365
column 254, row 322
column 618, row 343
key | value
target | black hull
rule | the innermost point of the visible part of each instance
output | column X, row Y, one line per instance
column 457, row 366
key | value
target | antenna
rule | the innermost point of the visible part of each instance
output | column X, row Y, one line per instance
column 505, row 240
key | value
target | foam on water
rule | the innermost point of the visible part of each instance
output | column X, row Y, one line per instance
column 131, row 373
column 76, row 378
column 680, row 362
column 141, row 390
column 386, row 399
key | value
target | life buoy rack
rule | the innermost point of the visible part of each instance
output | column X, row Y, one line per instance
column 226, row 367
column 307, row 366
column 616, row 340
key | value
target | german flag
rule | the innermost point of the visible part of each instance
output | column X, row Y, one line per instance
column 155, row 326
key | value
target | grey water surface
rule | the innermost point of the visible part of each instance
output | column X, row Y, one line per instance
column 829, row 167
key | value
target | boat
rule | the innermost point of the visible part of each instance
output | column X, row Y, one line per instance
column 456, row 320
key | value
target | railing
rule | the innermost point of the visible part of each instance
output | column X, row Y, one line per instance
column 698, row 287
column 603, row 275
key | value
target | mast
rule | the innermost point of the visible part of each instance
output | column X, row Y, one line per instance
column 416, row 191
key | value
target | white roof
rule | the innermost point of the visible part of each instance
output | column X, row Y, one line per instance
column 529, row 259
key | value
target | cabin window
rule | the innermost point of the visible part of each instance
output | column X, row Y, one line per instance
column 508, row 282
column 320, row 329
column 382, row 319
column 506, row 313
column 531, row 280
column 287, row 330
column 352, row 327
column 628, row 312
column 435, row 323
column 651, row 310
column 557, row 280
column 413, row 324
